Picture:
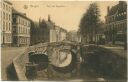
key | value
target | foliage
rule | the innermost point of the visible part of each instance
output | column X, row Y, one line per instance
column 90, row 21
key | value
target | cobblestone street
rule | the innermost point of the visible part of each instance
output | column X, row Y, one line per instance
column 7, row 55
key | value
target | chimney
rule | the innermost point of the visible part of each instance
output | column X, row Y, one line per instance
column 24, row 14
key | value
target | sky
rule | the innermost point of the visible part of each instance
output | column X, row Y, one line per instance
column 66, row 14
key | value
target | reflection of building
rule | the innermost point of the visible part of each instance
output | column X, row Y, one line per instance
column 6, row 16
column 116, row 23
column 21, row 29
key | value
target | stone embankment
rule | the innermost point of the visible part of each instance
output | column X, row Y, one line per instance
column 19, row 64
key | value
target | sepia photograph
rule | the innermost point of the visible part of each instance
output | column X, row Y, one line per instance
column 69, row 41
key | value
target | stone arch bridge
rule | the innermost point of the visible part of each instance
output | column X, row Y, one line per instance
column 62, row 59
column 59, row 54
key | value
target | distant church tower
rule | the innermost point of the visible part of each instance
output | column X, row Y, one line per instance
column 49, row 18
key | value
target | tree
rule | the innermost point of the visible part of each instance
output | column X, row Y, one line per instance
column 42, row 30
column 90, row 22
column 33, row 32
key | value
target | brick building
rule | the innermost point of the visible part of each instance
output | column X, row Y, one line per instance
column 116, row 23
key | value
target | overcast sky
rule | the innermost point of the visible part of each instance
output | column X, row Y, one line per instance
column 66, row 14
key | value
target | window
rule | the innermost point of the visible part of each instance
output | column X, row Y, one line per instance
column 9, row 26
column 14, row 20
column 6, row 7
column 3, row 6
column 6, row 16
column 8, row 38
column 19, row 21
column 14, row 29
column 21, row 29
column 9, row 17
column 9, row 9
column 3, row 15
column 28, row 23
column 3, row 25
column 18, row 29
column 26, row 31
column 6, row 25
column 23, row 22
column 117, row 26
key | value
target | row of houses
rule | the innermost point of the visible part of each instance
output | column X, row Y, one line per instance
column 15, row 26
column 19, row 30
column 57, row 34
column 47, row 31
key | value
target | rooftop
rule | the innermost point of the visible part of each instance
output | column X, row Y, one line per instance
column 20, row 14
column 8, row 2
column 119, row 8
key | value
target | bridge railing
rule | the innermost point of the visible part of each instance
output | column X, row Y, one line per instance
column 39, row 48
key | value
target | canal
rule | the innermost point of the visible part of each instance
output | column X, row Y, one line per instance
column 97, row 63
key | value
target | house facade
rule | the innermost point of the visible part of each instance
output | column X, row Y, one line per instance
column 21, row 29
column 6, row 23
column 116, row 23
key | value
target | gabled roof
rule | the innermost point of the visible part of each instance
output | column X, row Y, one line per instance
column 119, row 8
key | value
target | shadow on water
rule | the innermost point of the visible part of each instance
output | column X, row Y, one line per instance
column 11, row 73
column 102, row 64
column 105, row 64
